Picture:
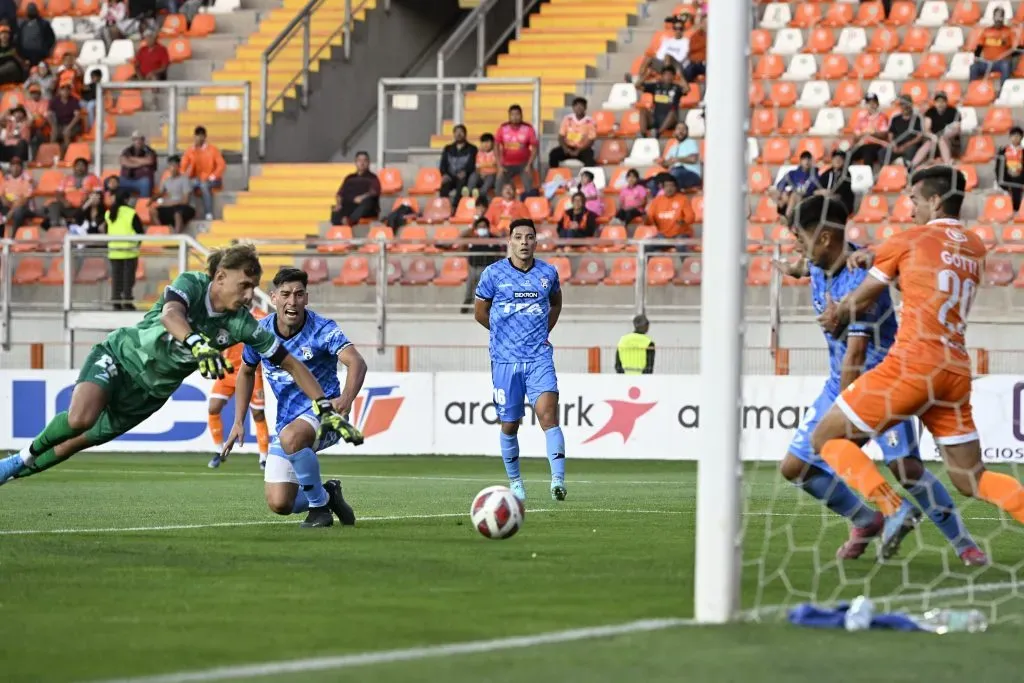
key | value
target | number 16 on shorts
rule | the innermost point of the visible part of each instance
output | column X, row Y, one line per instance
column 514, row 383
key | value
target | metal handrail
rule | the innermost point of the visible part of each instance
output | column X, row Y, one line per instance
column 305, row 19
column 5, row 294
column 172, row 124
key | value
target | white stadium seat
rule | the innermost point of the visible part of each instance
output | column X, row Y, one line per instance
column 695, row 122
column 885, row 90
column 644, row 152
column 623, row 96
column 829, row 122
column 1012, row 93
column 814, row 95
column 777, row 16
column 753, row 151
column 991, row 7
column 801, row 68
column 92, row 52
column 788, row 41
column 933, row 13
column 861, row 178
column 898, row 67
column 102, row 68
column 852, row 40
column 960, row 66
column 948, row 40
column 225, row 6
column 121, row 51
column 968, row 120
column 63, row 27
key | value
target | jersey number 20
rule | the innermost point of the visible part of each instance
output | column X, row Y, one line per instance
column 960, row 294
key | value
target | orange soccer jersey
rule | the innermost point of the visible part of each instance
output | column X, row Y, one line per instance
column 928, row 371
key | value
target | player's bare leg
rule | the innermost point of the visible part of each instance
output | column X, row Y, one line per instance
column 295, row 444
column 546, row 409
column 834, row 439
column 87, row 403
column 216, row 425
column 510, row 457
column 259, row 418
column 969, row 476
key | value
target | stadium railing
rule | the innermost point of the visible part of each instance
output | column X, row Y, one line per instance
column 300, row 28
column 403, row 94
column 5, row 294
column 231, row 96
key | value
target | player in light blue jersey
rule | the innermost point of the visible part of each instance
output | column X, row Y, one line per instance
column 292, row 477
column 820, row 230
column 519, row 300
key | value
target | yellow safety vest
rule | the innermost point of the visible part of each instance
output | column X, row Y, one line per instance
column 119, row 251
column 633, row 352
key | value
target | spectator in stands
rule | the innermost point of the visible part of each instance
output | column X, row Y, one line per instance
column 673, row 51
column 995, row 49
column 70, row 72
column 35, row 39
column 517, row 149
column 114, row 18
column 1010, row 167
column 172, row 205
column 835, row 182
column 9, row 12
column 152, row 59
column 205, row 165
column 696, row 66
column 592, row 195
column 663, row 115
column 795, row 185
column 43, row 76
column 505, row 209
column 122, row 220
column 13, row 68
column 481, row 182
column 578, row 221
column 14, row 134
column 682, row 159
column 458, row 163
column 481, row 256
column 632, row 199
column 906, row 131
column 871, row 133
column 190, row 8
column 71, row 193
column 138, row 166
column 38, row 111
column 89, row 96
column 66, row 116
column 576, row 137
column 88, row 220
column 359, row 194
column 16, row 203
column 671, row 213
column 941, row 129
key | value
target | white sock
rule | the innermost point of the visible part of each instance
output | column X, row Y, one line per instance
column 263, row 458
column 26, row 456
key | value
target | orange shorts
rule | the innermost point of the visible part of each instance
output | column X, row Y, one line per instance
column 896, row 390
column 225, row 389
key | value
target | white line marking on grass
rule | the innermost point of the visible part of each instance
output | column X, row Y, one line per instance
column 390, row 656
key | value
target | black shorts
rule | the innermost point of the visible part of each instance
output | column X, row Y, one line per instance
column 166, row 214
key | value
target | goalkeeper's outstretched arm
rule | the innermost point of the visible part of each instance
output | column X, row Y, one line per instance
column 174, row 318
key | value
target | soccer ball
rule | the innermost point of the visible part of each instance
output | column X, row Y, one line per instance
column 497, row 513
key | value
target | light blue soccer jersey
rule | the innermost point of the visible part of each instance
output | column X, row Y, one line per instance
column 317, row 345
column 878, row 323
column 520, row 302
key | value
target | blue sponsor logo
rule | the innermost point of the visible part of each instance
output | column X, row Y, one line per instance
column 29, row 413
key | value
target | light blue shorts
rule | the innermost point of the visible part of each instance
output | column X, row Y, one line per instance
column 514, row 383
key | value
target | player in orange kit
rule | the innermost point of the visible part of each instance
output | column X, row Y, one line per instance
column 928, row 371
column 223, row 390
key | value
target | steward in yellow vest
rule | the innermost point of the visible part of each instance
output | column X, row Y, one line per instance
column 121, row 219
column 635, row 354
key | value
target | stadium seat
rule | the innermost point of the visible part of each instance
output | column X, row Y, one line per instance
column 445, row 237
column 948, row 40
column 838, row 15
column 866, row 66
column 54, row 275
column 902, row 13
column 128, row 102
column 695, row 122
column 833, row 66
column 861, row 178
column 776, row 16
column 377, row 233
column 316, row 269
column 612, row 152
column 202, row 25
column 645, row 233
column 392, row 271
column 623, row 96
column 828, row 122
column 411, row 238
column 933, row 13
column 884, row 40
column 903, row 209
column 180, row 50
column 48, row 183
column 998, row 272
column 852, row 40
column 53, row 239
column 420, row 271
column 1011, row 94
column 600, row 179
column 354, row 271
column 932, row 65
column 390, row 180
column 954, row 93
column 764, row 121
column 759, row 179
column 623, row 272
column 437, row 210
column 26, row 238
column 769, row 66
column 547, row 238
column 563, row 173
column 604, row 121
column 644, row 152
column 428, row 182
column 775, row 151
column 92, row 52
column 892, row 178
column 873, row 209
column 813, row 145
column 562, row 267
column 783, row 94
column 980, row 150
column 29, row 271
column 697, row 204
column 795, row 122
column 965, row 13
column 782, row 236
column 898, row 66
column 539, row 209
column 122, row 51
column 660, row 271
column 869, row 14
column 76, row 150
column 916, row 40
column 1012, row 240
column 998, row 209
column 454, row 272
column 959, row 66
column 630, row 124
column 759, row 272
column 884, row 90
column 986, row 233
column 173, row 25
column 979, row 94
column 63, row 27
column 465, row 211
column 753, row 151
column 886, row 231
column 760, row 41
column 820, row 41
column 689, row 273
column 590, row 271
column 848, row 94
column 805, row 15
column 765, row 212
column 858, row 234
column 814, row 95
column 998, row 121
column 970, row 175
column 756, row 94
column 614, row 237
column 225, row 6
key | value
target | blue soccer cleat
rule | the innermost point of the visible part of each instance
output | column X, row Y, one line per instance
column 10, row 466
column 215, row 462
column 897, row 527
column 518, row 489
column 558, row 491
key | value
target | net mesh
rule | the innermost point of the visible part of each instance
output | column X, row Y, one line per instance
column 791, row 539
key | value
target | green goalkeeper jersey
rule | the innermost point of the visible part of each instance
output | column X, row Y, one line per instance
column 160, row 363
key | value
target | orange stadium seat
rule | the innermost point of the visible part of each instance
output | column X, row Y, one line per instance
column 848, row 94
column 805, row 15
column 339, row 236
column 917, row 90
column 997, row 121
column 869, row 14
column 903, row 13
column 590, row 271
column 173, row 25
column 437, row 210
column 54, row 275
column 393, row 271
column 980, row 150
column 47, row 156
column 883, row 40
column 61, row 48
column 180, row 49
column 867, row 66
column 834, row 67
column 465, row 212
column 775, row 151
column 454, row 272
column 873, row 209
column 756, row 94
column 858, row 234
column 697, row 204
column 539, row 209
column 756, row 239
column 784, row 237
column 820, row 41
column 444, row 237
column 142, row 208
column 93, row 271
column 630, row 124
column 411, row 238
column 998, row 272
column 689, row 272
column 612, row 153
column 759, row 179
column 377, row 233
column 986, row 233
column 813, row 145
column 760, row 41
column 128, row 102
column 766, row 211
column 903, row 210
column 547, row 238
column 892, row 178
column 784, row 94
column 604, row 122
column 838, row 15
column 980, row 94
column 623, row 272
column 796, row 122
column 965, row 13
column 998, row 209
column 759, row 273
column 660, row 270
column 202, row 25
column 26, row 238
column 952, row 89
column 420, row 271
column 85, row 8
column 30, row 270
column 11, row 99
column 932, row 65
column 769, row 66
column 125, row 72
column 1013, row 239
column 560, row 172
column 428, row 181
column 76, row 150
column 970, row 175
column 562, row 267
column 763, row 121
column 614, row 236
column 316, row 269
column 917, row 39
column 390, row 180
column 354, row 271
column 49, row 181
column 888, row 230
column 617, row 180
column 53, row 239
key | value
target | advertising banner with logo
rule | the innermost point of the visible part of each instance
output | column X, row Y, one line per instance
column 393, row 410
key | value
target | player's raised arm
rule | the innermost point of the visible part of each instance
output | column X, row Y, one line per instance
column 174, row 318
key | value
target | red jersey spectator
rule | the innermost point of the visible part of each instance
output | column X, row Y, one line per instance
column 517, row 149
column 152, row 59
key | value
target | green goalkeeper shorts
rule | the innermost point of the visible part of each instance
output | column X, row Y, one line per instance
column 128, row 403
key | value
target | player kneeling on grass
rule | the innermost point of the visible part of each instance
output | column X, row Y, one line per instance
column 938, row 265
column 519, row 299
column 292, row 481
column 130, row 375
column 819, row 224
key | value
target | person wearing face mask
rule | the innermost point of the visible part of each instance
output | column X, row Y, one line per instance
column 482, row 256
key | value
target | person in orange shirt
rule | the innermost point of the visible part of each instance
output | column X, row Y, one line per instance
column 575, row 137
column 481, row 181
column 70, row 72
column 671, row 212
column 995, row 49
column 71, row 193
column 504, row 209
column 204, row 164
column 16, row 203
column 871, row 133
column 927, row 373
column 37, row 107
column 696, row 66
column 223, row 390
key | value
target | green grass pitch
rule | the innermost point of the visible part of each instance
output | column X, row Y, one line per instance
column 129, row 566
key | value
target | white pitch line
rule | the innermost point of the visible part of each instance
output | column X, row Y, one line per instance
column 390, row 656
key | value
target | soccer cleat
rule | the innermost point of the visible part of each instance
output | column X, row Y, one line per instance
column 318, row 518
column 974, row 557
column 558, row 491
column 860, row 537
column 897, row 527
column 518, row 489
column 9, row 467
column 337, row 503
column 215, row 462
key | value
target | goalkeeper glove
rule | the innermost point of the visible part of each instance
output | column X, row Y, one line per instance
column 212, row 365
column 332, row 421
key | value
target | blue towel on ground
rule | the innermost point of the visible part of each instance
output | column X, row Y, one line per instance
column 828, row 617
